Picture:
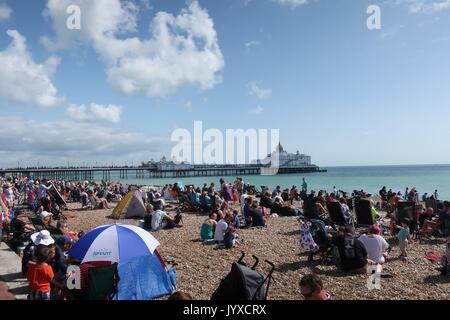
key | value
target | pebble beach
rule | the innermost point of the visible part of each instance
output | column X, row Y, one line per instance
column 201, row 267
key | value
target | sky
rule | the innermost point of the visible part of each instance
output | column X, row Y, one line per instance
column 113, row 91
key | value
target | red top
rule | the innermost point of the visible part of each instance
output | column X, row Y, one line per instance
column 39, row 276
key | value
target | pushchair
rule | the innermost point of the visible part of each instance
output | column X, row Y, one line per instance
column 18, row 236
column 244, row 283
column 319, row 234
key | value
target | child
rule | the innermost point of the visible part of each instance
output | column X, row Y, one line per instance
column 40, row 275
column 236, row 219
column 404, row 236
column 229, row 239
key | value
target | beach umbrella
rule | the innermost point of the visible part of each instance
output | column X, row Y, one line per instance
column 114, row 243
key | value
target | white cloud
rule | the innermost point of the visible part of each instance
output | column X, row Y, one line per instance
column 22, row 80
column 57, row 142
column 181, row 50
column 391, row 32
column 259, row 92
column 95, row 112
column 188, row 106
column 257, row 110
column 252, row 43
column 291, row 3
column 422, row 6
column 5, row 11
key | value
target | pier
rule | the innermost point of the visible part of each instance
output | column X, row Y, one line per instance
column 105, row 173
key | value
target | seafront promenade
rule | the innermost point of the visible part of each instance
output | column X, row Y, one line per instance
column 13, row 286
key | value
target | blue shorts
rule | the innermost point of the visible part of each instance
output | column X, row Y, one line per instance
column 37, row 295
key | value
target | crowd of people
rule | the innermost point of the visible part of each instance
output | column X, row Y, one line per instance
column 227, row 207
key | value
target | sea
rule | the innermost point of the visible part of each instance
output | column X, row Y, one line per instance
column 425, row 178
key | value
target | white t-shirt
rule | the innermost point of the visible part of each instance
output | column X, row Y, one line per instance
column 243, row 197
column 9, row 194
column 158, row 221
column 375, row 247
column 221, row 227
column 279, row 198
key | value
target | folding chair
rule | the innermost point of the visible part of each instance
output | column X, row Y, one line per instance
column 407, row 209
column 309, row 208
column 363, row 213
column 103, row 282
column 37, row 224
column 336, row 214
column 432, row 203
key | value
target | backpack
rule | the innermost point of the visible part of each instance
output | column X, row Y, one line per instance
column 349, row 248
column 336, row 257
column 28, row 255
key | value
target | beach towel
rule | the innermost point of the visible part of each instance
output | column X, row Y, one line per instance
column 144, row 278
column 434, row 256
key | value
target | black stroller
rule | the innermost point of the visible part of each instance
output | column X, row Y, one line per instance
column 244, row 283
column 319, row 233
column 18, row 235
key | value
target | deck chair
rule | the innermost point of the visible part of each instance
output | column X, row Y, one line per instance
column 39, row 226
column 103, row 282
column 336, row 214
column 432, row 203
column 406, row 209
column 363, row 213
column 309, row 208
column 350, row 204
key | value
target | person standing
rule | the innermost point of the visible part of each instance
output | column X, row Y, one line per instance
column 43, row 188
column 304, row 185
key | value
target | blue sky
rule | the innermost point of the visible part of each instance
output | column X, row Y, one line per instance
column 338, row 91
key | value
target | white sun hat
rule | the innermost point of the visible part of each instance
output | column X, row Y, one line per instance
column 45, row 214
column 43, row 238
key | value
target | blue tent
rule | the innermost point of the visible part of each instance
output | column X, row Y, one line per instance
column 145, row 278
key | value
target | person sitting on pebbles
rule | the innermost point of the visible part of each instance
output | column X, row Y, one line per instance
column 375, row 244
column 97, row 203
column 208, row 227
column 161, row 220
column 46, row 218
column 311, row 288
column 352, row 252
column 64, row 228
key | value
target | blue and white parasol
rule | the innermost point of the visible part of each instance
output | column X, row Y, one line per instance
column 114, row 243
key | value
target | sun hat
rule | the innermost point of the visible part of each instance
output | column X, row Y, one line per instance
column 45, row 214
column 64, row 240
column 374, row 229
column 42, row 238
